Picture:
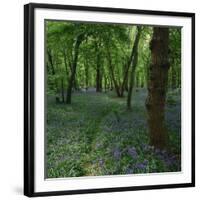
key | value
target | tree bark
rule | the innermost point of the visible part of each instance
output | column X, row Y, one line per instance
column 157, row 87
column 134, row 64
column 79, row 39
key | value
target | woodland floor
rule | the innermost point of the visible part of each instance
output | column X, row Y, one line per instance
column 96, row 135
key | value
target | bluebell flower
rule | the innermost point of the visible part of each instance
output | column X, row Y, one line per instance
column 129, row 171
column 101, row 163
column 146, row 147
column 170, row 160
column 132, row 152
column 140, row 166
column 117, row 153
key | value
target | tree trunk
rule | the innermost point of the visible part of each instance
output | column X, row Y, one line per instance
column 126, row 70
column 51, row 61
column 157, row 87
column 62, row 90
column 117, row 88
column 105, row 83
column 74, row 65
column 134, row 64
column 53, row 72
column 67, row 64
column 98, row 75
column 86, row 76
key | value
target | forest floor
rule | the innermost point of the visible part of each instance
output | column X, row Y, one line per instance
column 96, row 135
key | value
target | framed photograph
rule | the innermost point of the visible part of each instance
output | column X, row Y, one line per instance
column 108, row 99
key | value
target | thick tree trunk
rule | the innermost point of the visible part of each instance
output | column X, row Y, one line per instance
column 134, row 64
column 74, row 65
column 157, row 87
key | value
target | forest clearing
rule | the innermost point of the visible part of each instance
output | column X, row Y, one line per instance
column 113, row 99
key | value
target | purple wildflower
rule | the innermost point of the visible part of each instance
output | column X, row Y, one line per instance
column 170, row 160
column 132, row 152
column 161, row 154
column 117, row 153
column 157, row 151
column 142, row 165
column 101, row 163
column 145, row 162
column 146, row 147
column 129, row 171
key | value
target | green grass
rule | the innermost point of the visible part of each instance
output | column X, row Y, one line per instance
column 96, row 135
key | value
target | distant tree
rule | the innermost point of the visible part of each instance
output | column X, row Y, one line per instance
column 134, row 62
column 78, row 41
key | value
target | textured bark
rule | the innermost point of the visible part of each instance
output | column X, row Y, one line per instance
column 74, row 65
column 134, row 64
column 157, row 87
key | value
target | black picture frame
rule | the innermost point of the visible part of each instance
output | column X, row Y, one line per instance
column 29, row 82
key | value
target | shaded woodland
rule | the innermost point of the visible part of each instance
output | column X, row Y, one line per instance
column 113, row 99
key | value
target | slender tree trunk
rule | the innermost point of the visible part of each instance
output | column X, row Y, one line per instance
column 126, row 84
column 126, row 71
column 62, row 90
column 157, row 87
column 67, row 64
column 98, row 75
column 117, row 88
column 53, row 71
column 110, row 83
column 75, row 84
column 86, row 76
column 74, row 65
column 105, row 83
column 51, row 61
column 134, row 64
column 125, row 78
